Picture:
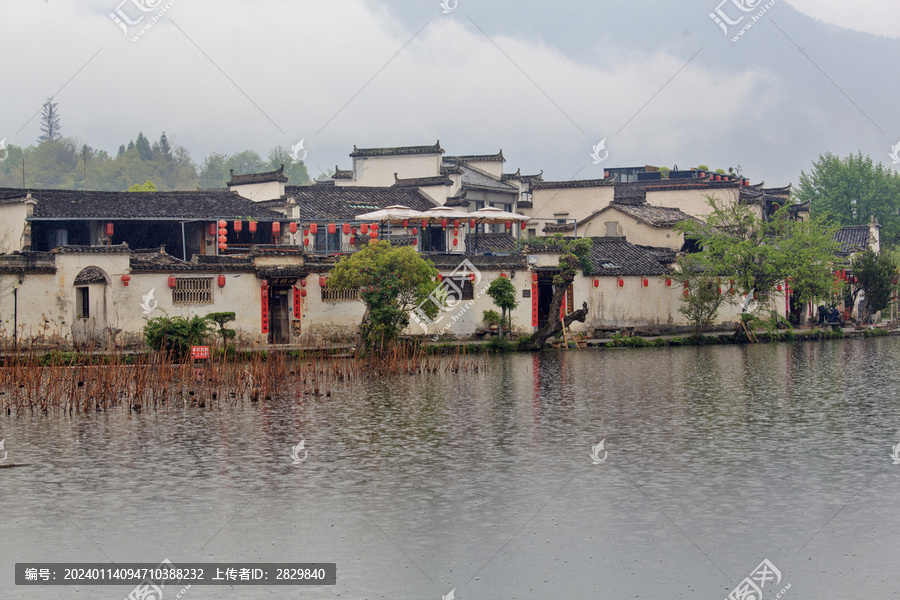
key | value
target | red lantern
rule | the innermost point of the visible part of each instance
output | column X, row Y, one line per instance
column 472, row 277
column 443, row 223
column 292, row 227
column 621, row 282
column 237, row 226
column 503, row 275
column 779, row 287
column 455, row 232
column 373, row 234
column 374, row 226
column 332, row 228
column 646, row 282
column 276, row 227
column 346, row 228
column 668, row 283
column 508, row 224
column 172, row 281
column 406, row 222
column 222, row 246
column 223, row 239
column 305, row 232
column 596, row 283
column 222, row 224
column 456, row 224
column 223, row 231
column 303, row 282
column 424, row 223
column 415, row 231
column 534, row 277
column 323, row 281
column 522, row 226
column 125, row 279
column 440, row 277
column 306, row 241
column 686, row 285
column 212, row 230
column 456, row 241
column 221, row 281
column 364, row 228
column 303, row 293
column 352, row 239
column 314, row 228
column 472, row 223
column 686, row 293
column 252, row 226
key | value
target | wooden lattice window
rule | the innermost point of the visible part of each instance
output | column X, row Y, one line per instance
column 339, row 295
column 192, row 290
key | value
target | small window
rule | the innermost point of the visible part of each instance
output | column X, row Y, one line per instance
column 192, row 290
column 612, row 228
column 459, row 288
column 83, row 302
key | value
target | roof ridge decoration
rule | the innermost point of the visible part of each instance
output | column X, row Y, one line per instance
column 342, row 173
column 265, row 177
column 575, row 183
column 432, row 180
column 396, row 150
column 477, row 157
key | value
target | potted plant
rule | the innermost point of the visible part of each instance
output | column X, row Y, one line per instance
column 491, row 318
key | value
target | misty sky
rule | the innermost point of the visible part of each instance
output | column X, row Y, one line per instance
column 659, row 80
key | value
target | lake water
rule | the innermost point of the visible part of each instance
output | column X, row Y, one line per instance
column 718, row 458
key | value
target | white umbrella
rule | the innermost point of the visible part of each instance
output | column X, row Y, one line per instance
column 395, row 214
column 491, row 214
column 444, row 212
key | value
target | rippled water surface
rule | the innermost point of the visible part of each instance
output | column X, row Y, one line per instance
column 717, row 459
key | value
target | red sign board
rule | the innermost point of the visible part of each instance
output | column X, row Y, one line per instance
column 264, row 305
column 199, row 352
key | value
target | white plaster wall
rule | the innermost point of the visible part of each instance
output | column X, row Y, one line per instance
column 379, row 170
column 634, row 231
column 260, row 191
column 12, row 226
column 579, row 203
column 692, row 202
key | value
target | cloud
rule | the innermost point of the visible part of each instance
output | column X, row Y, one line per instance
column 879, row 17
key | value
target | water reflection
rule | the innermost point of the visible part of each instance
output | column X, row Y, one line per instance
column 718, row 457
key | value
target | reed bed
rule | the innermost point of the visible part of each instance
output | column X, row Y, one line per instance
column 34, row 380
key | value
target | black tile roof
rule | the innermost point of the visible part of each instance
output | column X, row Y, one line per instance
column 491, row 242
column 117, row 249
column 473, row 178
column 397, row 150
column 28, row 262
column 161, row 262
column 449, row 262
column 90, row 275
column 656, row 216
column 415, row 182
column 852, row 238
column 576, row 183
column 275, row 250
column 343, row 203
column 476, row 158
column 614, row 256
column 559, row 227
column 342, row 173
column 269, row 176
column 526, row 178
column 144, row 206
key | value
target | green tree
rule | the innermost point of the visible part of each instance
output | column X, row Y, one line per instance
column 574, row 254
column 147, row 186
column 704, row 295
column 391, row 282
column 808, row 249
column 245, row 162
column 213, row 173
column 221, row 319
column 50, row 122
column 851, row 190
column 295, row 171
column 503, row 292
column 875, row 277
column 143, row 147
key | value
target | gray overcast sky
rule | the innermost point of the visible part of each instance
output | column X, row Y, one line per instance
column 659, row 80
